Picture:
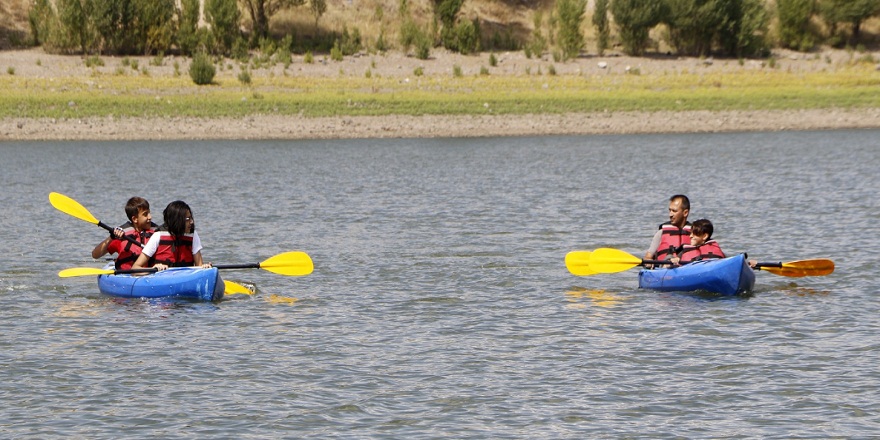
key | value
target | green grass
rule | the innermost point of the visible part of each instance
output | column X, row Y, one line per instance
column 139, row 96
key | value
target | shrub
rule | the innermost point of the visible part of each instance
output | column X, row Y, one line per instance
column 381, row 43
column 336, row 52
column 244, row 77
column 202, row 70
column 423, row 46
column 492, row 60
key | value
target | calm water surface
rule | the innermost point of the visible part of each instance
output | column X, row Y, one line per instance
column 440, row 306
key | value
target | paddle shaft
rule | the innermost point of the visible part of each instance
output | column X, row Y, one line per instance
column 238, row 266
column 141, row 270
column 124, row 237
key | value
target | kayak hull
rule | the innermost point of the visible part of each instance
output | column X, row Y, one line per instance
column 176, row 282
column 726, row 276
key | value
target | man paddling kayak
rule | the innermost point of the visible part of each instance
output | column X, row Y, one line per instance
column 674, row 234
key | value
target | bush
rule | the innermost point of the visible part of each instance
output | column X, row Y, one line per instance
column 244, row 77
column 336, row 52
column 423, row 46
column 202, row 70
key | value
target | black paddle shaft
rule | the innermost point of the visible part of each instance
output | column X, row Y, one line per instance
column 126, row 237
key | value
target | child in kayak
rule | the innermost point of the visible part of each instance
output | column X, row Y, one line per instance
column 176, row 243
column 702, row 246
column 124, row 239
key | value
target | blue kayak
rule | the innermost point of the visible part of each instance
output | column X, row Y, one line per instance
column 726, row 276
column 177, row 282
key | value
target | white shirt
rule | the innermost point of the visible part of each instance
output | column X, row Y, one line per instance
column 153, row 244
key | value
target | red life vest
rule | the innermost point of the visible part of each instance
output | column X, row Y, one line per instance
column 174, row 253
column 705, row 251
column 128, row 252
column 672, row 240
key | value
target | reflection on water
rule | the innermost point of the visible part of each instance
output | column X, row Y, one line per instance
column 598, row 297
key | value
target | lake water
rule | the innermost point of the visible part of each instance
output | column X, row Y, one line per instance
column 440, row 305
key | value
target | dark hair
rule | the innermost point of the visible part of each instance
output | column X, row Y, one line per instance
column 703, row 226
column 175, row 218
column 134, row 206
column 685, row 202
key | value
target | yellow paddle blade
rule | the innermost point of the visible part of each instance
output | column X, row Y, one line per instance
column 803, row 268
column 289, row 263
column 84, row 271
column 608, row 260
column 578, row 263
column 235, row 288
column 71, row 207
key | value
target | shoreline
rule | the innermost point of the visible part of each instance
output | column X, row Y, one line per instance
column 35, row 63
column 274, row 127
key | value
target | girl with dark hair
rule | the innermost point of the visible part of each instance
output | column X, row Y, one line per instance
column 176, row 243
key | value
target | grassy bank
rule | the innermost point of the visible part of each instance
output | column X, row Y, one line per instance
column 857, row 86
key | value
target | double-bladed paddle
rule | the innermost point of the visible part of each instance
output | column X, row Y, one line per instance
column 609, row 260
column 801, row 268
column 294, row 263
column 73, row 208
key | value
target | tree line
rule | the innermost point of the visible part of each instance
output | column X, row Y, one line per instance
column 737, row 28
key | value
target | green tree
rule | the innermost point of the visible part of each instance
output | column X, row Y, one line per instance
column 77, row 24
column 188, row 26
column 693, row 24
column 600, row 21
column 155, row 26
column 447, row 12
column 225, row 18
column 262, row 10
column 852, row 12
column 794, row 23
column 635, row 19
column 571, row 16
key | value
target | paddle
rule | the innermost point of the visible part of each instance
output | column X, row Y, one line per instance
column 73, row 208
column 608, row 260
column 294, row 263
column 287, row 263
column 800, row 268
column 578, row 263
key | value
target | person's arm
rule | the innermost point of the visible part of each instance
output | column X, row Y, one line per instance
column 651, row 253
column 149, row 250
column 197, row 252
column 101, row 249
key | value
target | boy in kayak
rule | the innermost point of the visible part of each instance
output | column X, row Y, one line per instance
column 176, row 243
column 128, row 239
column 702, row 246
column 674, row 234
